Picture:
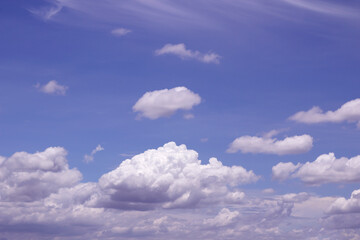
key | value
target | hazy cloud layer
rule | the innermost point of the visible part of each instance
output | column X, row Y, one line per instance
column 52, row 87
column 266, row 145
column 165, row 102
column 183, row 53
column 325, row 169
column 349, row 112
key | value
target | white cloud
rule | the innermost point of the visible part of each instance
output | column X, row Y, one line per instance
column 181, row 51
column 171, row 176
column 349, row 112
column 28, row 177
column 168, row 177
column 289, row 145
column 165, row 102
column 342, row 205
column 90, row 158
column 282, row 171
column 225, row 217
column 325, row 169
column 52, row 87
column 120, row 32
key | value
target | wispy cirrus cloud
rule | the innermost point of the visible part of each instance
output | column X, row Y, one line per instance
column 183, row 53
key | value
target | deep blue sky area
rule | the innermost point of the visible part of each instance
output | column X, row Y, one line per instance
column 274, row 59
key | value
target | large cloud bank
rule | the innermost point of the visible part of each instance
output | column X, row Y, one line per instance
column 159, row 194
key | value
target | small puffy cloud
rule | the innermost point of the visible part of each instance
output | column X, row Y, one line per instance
column 266, row 145
column 181, row 51
column 349, row 112
column 120, row 32
column 171, row 177
column 90, row 158
column 282, row 171
column 52, row 87
column 29, row 177
column 225, row 217
column 325, row 169
column 165, row 102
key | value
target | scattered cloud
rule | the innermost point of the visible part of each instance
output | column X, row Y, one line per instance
column 90, row 158
column 183, row 53
column 120, row 32
column 165, row 102
column 349, row 112
column 325, row 169
column 41, row 197
column 266, row 145
column 52, row 87
column 204, row 140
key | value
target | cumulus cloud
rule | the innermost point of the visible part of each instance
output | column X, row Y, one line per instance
column 165, row 102
column 325, row 169
column 120, row 32
column 52, row 87
column 28, row 177
column 168, row 177
column 349, row 112
column 343, row 205
column 225, row 217
column 90, row 158
column 171, row 176
column 289, row 145
column 282, row 171
column 183, row 53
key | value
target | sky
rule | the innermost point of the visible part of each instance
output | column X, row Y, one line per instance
column 163, row 119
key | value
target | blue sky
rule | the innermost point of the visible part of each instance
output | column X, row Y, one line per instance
column 72, row 72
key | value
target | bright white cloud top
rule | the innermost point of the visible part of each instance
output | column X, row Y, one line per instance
column 165, row 102
column 183, row 53
column 349, row 112
column 53, row 87
column 325, row 169
column 173, row 177
column 266, row 145
column 120, row 32
column 90, row 157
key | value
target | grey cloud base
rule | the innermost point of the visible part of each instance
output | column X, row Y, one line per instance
column 160, row 194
